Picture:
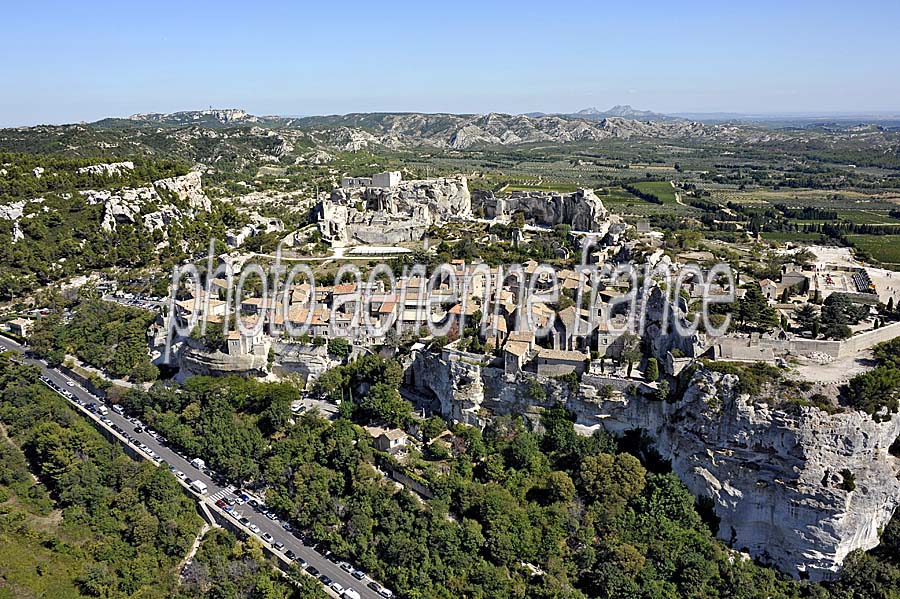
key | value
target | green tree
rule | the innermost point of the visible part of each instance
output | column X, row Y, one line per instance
column 754, row 310
column 631, row 350
column 806, row 317
column 339, row 347
column 652, row 371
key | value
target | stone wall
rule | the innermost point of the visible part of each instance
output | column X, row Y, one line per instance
column 801, row 346
column 869, row 339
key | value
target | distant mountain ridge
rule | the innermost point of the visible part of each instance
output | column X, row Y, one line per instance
column 237, row 138
column 442, row 130
column 624, row 111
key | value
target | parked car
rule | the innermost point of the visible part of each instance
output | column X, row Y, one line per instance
column 374, row 586
column 358, row 574
column 337, row 588
column 245, row 521
column 290, row 555
column 325, row 580
column 267, row 538
column 313, row 571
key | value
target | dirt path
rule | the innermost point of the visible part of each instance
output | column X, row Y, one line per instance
column 677, row 195
column 193, row 551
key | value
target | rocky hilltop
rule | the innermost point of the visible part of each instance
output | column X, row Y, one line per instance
column 156, row 206
column 799, row 489
column 221, row 116
column 581, row 209
column 392, row 214
column 466, row 131
column 620, row 110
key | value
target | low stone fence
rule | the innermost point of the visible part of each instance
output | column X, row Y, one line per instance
column 835, row 349
column 869, row 339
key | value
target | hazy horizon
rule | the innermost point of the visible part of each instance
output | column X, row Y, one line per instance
column 81, row 63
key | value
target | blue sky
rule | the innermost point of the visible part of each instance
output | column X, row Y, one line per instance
column 74, row 61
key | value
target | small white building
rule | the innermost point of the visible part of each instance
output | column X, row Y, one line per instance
column 20, row 327
column 389, row 440
column 385, row 179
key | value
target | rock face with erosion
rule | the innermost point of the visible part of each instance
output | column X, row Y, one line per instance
column 155, row 206
column 392, row 214
column 797, row 488
column 582, row 209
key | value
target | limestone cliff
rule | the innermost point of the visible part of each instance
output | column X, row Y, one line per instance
column 799, row 489
column 582, row 209
column 392, row 214
column 154, row 206
column 194, row 361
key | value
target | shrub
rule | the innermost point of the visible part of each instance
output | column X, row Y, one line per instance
column 849, row 481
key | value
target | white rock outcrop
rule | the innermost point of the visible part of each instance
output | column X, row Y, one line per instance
column 779, row 478
column 170, row 199
column 109, row 169
column 582, row 209
column 396, row 214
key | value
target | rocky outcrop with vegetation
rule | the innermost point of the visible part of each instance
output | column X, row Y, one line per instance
column 794, row 486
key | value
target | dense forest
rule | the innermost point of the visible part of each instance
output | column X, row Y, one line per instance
column 103, row 334
column 515, row 513
column 93, row 521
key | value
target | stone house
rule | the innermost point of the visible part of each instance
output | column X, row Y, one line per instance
column 390, row 440
column 555, row 362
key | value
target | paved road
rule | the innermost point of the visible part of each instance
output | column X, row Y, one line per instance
column 214, row 492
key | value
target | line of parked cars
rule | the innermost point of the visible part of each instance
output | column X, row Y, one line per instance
column 231, row 498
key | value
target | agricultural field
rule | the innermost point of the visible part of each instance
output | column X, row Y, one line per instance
column 541, row 186
column 848, row 202
column 884, row 249
column 661, row 189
